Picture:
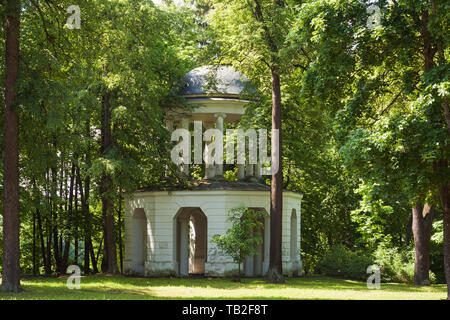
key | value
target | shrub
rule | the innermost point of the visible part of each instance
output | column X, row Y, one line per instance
column 436, row 252
column 397, row 265
column 309, row 262
column 244, row 235
column 340, row 261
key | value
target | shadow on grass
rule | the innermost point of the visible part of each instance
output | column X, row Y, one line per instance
column 125, row 287
column 327, row 283
column 308, row 282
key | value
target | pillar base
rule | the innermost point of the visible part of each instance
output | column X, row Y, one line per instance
column 159, row 269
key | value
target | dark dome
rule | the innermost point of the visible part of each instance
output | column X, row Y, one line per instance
column 213, row 80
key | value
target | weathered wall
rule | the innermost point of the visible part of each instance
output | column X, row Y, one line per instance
column 162, row 208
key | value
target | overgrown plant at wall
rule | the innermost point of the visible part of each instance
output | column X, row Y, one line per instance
column 244, row 236
column 339, row 261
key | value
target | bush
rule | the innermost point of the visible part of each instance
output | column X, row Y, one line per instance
column 436, row 252
column 437, row 261
column 397, row 265
column 309, row 262
column 244, row 235
column 340, row 261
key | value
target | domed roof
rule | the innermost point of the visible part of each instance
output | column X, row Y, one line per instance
column 213, row 80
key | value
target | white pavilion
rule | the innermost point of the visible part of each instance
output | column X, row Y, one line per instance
column 168, row 233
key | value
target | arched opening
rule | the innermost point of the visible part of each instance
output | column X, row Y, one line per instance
column 293, row 243
column 191, row 241
column 255, row 265
column 138, row 241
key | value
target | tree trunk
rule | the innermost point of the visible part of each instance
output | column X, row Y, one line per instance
column 75, row 218
column 48, row 248
column 54, row 214
column 63, row 211
column 69, row 219
column 275, row 272
column 94, row 260
column 84, row 196
column 239, row 272
column 88, row 247
column 444, row 193
column 66, row 210
column 99, row 249
column 104, row 263
column 45, row 258
column 441, row 168
column 408, row 230
column 34, row 244
column 11, row 221
column 119, row 222
column 421, row 227
column 444, row 187
column 106, row 191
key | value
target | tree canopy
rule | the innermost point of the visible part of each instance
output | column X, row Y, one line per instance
column 359, row 94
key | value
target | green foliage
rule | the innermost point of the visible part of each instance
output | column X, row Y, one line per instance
column 436, row 252
column 371, row 217
column 362, row 119
column 1, row 238
column 340, row 261
column 231, row 175
column 438, row 234
column 397, row 264
column 387, row 109
column 310, row 161
column 133, row 50
column 245, row 234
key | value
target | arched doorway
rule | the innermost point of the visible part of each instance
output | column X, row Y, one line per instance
column 138, row 241
column 294, row 244
column 191, row 241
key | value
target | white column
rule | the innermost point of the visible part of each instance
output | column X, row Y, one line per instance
column 258, row 170
column 210, row 170
column 185, row 125
column 198, row 244
column 219, row 126
column 293, row 243
column 169, row 127
column 266, row 244
column 258, row 260
column 192, row 245
column 249, row 172
column 184, row 247
column 241, row 171
column 249, row 267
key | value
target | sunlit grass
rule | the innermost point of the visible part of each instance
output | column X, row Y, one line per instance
column 118, row 287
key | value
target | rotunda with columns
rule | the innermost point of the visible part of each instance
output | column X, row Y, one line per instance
column 169, row 232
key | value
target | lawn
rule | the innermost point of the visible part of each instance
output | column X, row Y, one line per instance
column 119, row 287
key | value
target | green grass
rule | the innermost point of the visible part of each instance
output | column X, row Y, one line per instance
column 119, row 287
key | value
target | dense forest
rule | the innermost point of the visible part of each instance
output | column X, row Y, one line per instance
column 362, row 90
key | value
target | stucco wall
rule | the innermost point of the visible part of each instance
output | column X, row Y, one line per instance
column 161, row 209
